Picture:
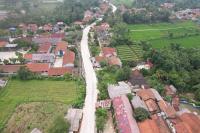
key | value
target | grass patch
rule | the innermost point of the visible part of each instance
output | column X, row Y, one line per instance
column 18, row 92
column 34, row 115
column 185, row 33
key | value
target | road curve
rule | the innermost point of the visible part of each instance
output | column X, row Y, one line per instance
column 88, row 122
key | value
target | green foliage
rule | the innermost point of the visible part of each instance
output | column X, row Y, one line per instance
column 101, row 118
column 5, row 62
column 130, row 96
column 59, row 125
column 103, row 63
column 123, row 73
column 141, row 114
column 197, row 92
column 24, row 74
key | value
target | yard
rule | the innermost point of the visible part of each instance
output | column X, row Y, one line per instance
column 46, row 95
column 162, row 34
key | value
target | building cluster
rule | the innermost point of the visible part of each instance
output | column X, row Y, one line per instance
column 164, row 116
column 167, row 5
column 188, row 14
column 52, row 58
column 109, row 56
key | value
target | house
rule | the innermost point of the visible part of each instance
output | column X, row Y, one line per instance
column 108, row 52
column 40, row 58
column 106, row 104
column 96, row 61
column 52, row 38
column 186, row 122
column 170, row 90
column 40, row 68
column 3, row 44
column 61, row 48
column 137, row 79
column 44, row 48
column 150, row 100
column 117, row 90
column 123, row 113
column 88, row 16
column 68, row 59
column 138, row 102
column 48, row 27
column 9, row 69
column 114, row 61
column 59, row 71
column 74, row 116
column 154, row 125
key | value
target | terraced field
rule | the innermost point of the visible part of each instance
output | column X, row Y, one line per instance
column 129, row 53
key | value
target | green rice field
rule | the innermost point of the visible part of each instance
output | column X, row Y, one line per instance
column 162, row 34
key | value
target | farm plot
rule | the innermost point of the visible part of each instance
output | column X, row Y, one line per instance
column 129, row 53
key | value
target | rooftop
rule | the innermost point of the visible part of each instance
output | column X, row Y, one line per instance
column 59, row 71
column 69, row 57
column 123, row 115
column 116, row 90
column 38, row 67
column 44, row 48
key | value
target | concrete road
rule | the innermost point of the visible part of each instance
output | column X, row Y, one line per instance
column 88, row 122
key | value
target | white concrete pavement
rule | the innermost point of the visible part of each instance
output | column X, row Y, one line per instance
column 88, row 122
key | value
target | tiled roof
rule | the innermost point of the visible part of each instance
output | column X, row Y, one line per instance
column 186, row 122
column 107, row 51
column 123, row 115
column 28, row 56
column 114, row 61
column 146, row 94
column 59, row 71
column 38, row 67
column 10, row 68
column 3, row 44
column 61, row 46
column 44, row 48
column 168, row 109
column 148, row 126
column 100, row 58
column 69, row 57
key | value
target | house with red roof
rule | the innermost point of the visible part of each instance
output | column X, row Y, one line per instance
column 44, row 48
column 108, row 52
column 40, row 58
column 59, row 71
column 40, row 68
column 3, row 44
column 61, row 48
column 114, row 61
column 68, row 59
column 9, row 69
column 123, row 113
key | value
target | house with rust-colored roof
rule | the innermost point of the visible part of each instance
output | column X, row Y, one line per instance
column 9, row 69
column 41, row 68
column 61, row 48
column 123, row 113
column 68, row 59
column 59, row 71
column 114, row 61
column 44, row 48
column 108, row 52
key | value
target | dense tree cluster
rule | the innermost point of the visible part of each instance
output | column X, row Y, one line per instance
column 101, row 118
column 146, row 16
column 175, row 65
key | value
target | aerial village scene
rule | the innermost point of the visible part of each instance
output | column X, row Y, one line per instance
column 99, row 66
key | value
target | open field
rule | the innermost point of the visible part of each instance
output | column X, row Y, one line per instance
column 162, row 34
column 18, row 92
column 129, row 53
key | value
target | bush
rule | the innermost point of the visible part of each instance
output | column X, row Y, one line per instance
column 24, row 74
column 59, row 125
column 101, row 117
column 141, row 114
column 130, row 96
